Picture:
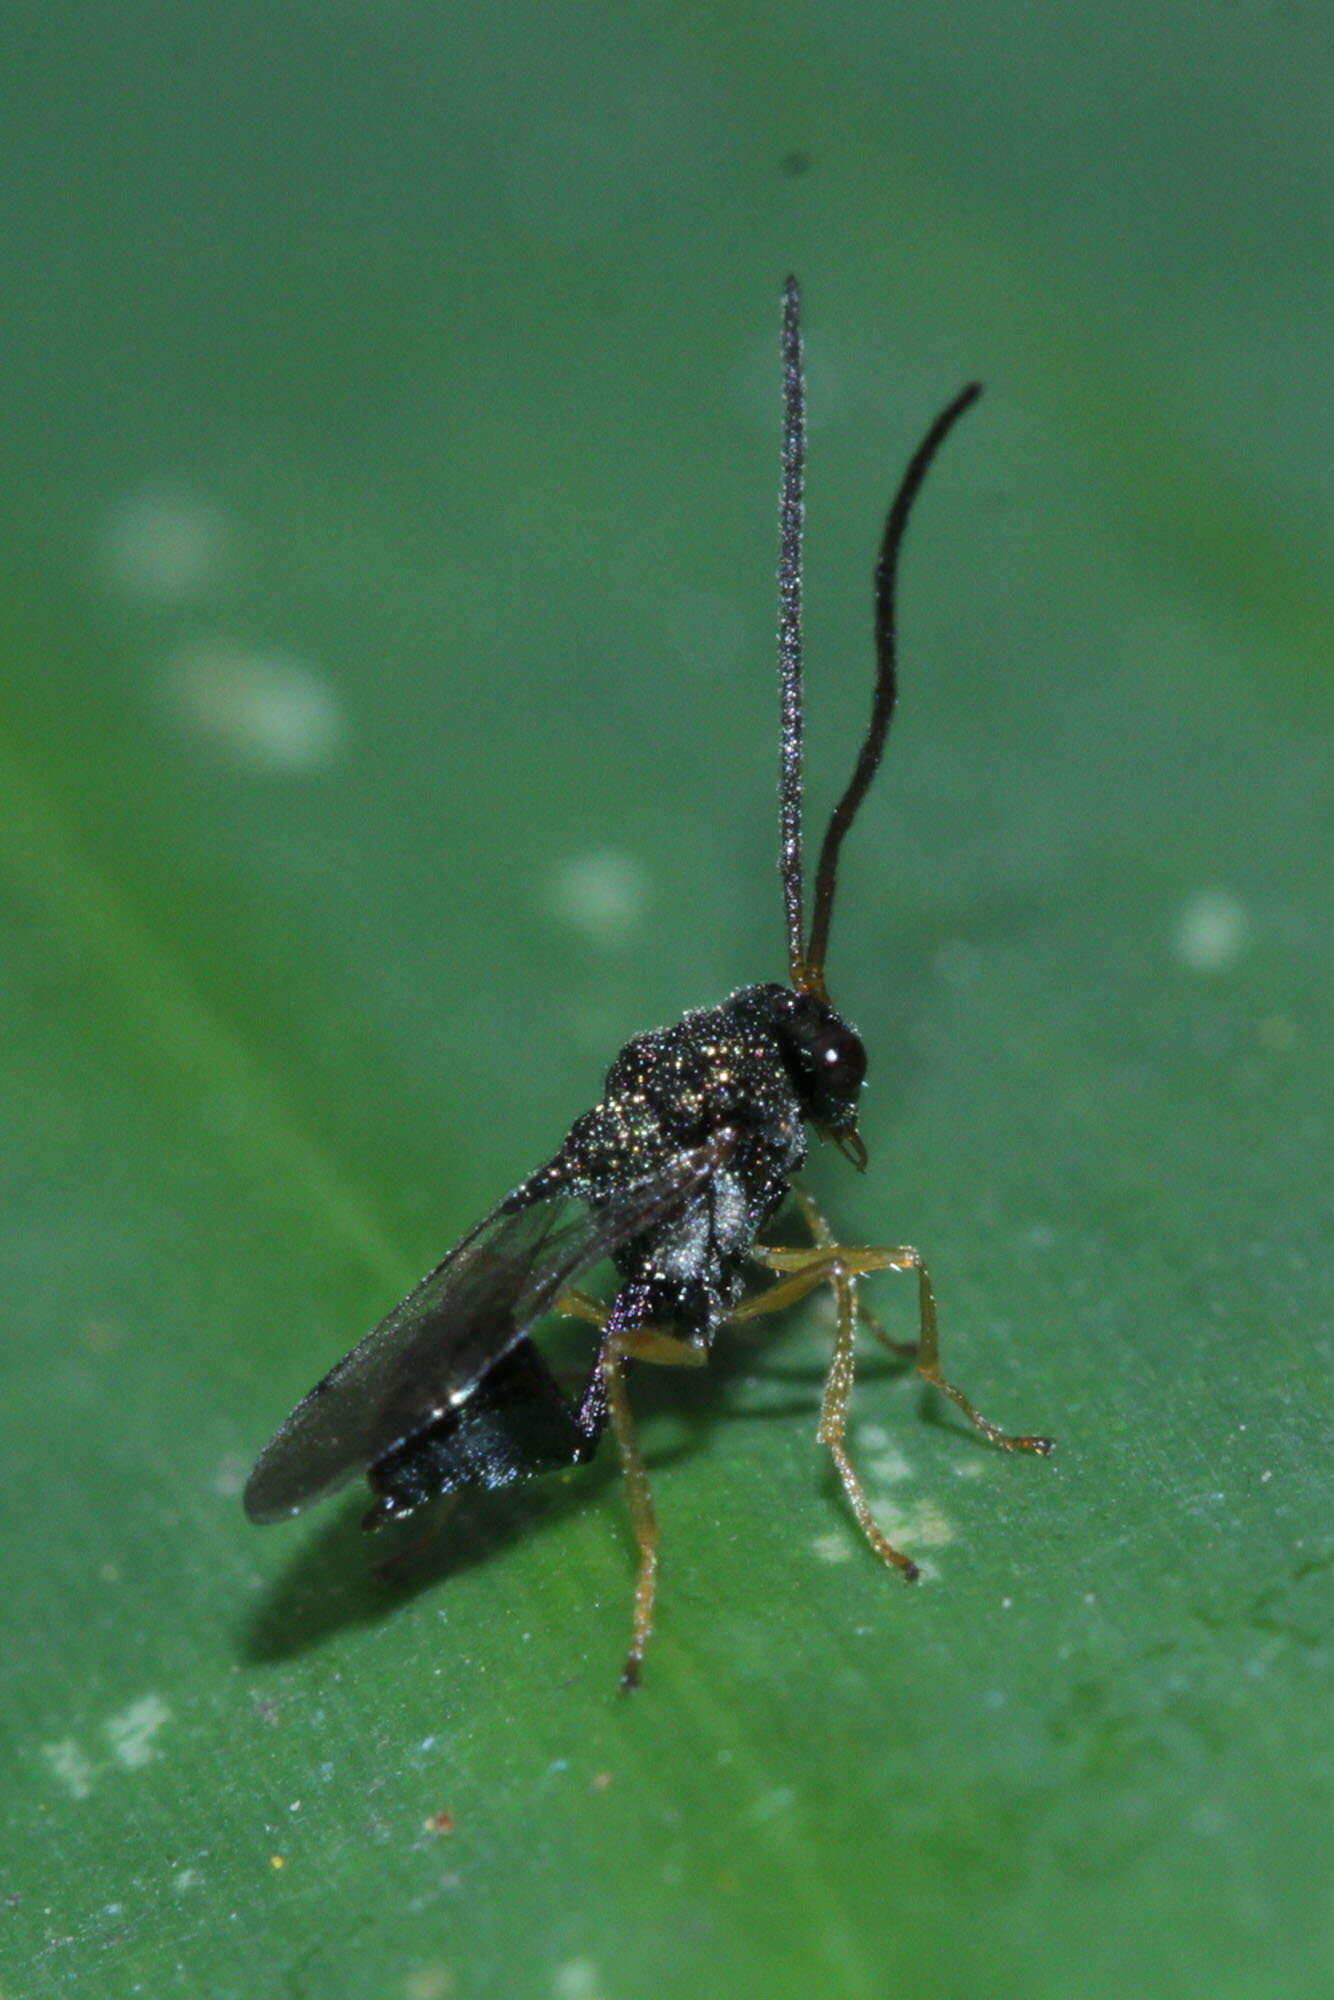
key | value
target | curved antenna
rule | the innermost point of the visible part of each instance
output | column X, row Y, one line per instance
column 789, row 626
column 886, row 683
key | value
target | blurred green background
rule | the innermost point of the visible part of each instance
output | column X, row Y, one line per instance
column 387, row 731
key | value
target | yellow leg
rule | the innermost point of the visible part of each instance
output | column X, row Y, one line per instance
column 799, row 1272
column 796, row 1274
column 904, row 1349
column 578, row 1305
column 822, row 1234
column 802, row 1270
column 641, row 1512
column 818, row 1267
column 833, row 1416
column 637, row 1343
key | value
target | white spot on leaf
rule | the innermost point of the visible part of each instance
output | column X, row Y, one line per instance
column 832, row 1548
column 429, row 1982
column 70, row 1766
column 888, row 1467
column 1211, row 931
column 165, row 544
column 577, row 1979
column 601, row 894
column 269, row 710
column 131, row 1735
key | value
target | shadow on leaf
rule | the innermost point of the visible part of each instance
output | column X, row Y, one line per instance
column 341, row 1577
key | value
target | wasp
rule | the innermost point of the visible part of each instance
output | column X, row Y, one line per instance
column 673, row 1176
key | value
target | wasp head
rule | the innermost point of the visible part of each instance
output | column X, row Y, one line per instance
column 824, row 1057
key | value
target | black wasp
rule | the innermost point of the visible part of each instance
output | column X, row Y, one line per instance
column 672, row 1175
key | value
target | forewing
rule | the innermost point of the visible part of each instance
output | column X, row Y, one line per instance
column 428, row 1353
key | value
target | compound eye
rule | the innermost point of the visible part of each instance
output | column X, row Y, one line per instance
column 840, row 1061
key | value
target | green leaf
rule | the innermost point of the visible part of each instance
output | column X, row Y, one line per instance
column 387, row 732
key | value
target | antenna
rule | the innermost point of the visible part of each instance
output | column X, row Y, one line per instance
column 882, row 703
column 789, row 630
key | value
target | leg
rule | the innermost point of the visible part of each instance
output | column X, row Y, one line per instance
column 641, row 1511
column 807, row 1269
column 625, row 1340
column 928, row 1365
column 822, row 1234
column 578, row 1305
column 798, row 1272
column 640, row 1343
column 905, row 1350
column 803, row 1270
column 833, row 1414
column 610, row 1386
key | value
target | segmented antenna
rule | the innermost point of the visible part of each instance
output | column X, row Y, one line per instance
column 886, row 684
column 789, row 629
column 806, row 958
